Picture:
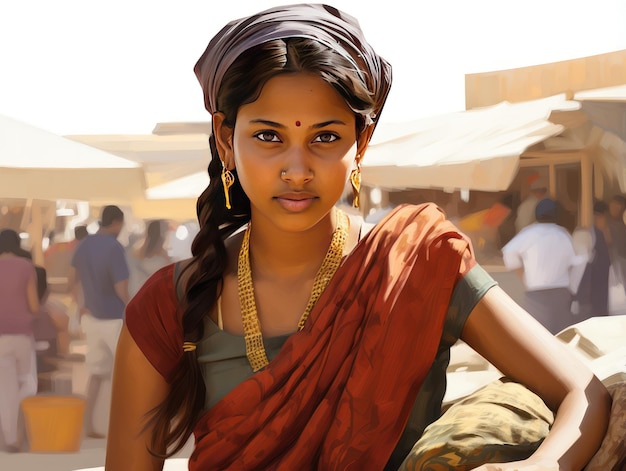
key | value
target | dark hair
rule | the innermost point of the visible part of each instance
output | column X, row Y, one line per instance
column 600, row 207
column 10, row 242
column 175, row 418
column 80, row 232
column 111, row 214
column 154, row 239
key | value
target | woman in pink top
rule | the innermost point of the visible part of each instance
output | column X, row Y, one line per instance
column 18, row 303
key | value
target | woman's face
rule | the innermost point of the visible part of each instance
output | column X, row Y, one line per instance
column 293, row 149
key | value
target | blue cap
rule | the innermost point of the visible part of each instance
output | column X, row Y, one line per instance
column 545, row 209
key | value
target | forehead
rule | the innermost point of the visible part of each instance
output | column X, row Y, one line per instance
column 298, row 94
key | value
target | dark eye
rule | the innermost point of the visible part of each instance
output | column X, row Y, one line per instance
column 326, row 137
column 267, row 136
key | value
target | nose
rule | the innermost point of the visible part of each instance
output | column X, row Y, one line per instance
column 296, row 167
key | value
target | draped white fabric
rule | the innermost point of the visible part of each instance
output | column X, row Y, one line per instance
column 37, row 164
column 475, row 150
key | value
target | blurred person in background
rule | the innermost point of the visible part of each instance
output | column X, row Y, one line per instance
column 617, row 237
column 58, row 260
column 538, row 190
column 149, row 257
column 51, row 325
column 18, row 303
column 543, row 255
column 593, row 291
column 80, row 232
column 102, row 272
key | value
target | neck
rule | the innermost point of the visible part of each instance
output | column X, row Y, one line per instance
column 107, row 230
column 276, row 253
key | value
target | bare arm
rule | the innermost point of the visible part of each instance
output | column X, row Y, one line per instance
column 31, row 293
column 121, row 289
column 137, row 388
column 75, row 291
column 522, row 349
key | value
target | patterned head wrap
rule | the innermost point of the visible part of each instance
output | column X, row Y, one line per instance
column 329, row 26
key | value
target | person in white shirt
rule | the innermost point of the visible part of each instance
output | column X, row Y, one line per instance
column 526, row 210
column 543, row 255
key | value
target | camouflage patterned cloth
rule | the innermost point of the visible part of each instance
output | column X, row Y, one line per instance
column 501, row 422
column 612, row 453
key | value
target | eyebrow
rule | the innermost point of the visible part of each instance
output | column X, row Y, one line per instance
column 282, row 126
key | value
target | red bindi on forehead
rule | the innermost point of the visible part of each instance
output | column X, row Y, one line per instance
column 298, row 123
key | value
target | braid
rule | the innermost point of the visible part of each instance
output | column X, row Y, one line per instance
column 174, row 419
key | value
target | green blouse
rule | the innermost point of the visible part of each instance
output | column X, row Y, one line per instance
column 223, row 361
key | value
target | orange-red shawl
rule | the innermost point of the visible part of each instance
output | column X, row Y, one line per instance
column 338, row 395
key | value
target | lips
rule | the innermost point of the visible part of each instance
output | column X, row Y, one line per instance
column 295, row 202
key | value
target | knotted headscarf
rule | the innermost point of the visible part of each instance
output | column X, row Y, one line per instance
column 331, row 27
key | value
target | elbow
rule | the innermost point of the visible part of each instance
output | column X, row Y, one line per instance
column 35, row 307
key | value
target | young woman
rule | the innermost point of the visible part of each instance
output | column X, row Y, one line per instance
column 18, row 305
column 293, row 339
column 147, row 258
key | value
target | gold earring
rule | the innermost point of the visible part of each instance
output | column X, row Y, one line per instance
column 355, row 180
column 227, row 181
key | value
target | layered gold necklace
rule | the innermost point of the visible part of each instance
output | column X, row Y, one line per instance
column 255, row 350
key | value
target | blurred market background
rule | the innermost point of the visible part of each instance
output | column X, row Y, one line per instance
column 99, row 105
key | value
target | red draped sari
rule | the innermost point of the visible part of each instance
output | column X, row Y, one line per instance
column 339, row 393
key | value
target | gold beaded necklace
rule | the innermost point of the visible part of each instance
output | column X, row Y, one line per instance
column 255, row 350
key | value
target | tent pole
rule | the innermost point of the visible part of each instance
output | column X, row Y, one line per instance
column 586, row 190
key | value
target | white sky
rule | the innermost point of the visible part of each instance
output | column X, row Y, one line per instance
column 121, row 66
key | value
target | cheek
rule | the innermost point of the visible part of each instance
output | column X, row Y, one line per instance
column 345, row 166
column 340, row 174
column 250, row 175
column 244, row 158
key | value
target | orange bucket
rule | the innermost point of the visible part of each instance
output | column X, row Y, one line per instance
column 54, row 423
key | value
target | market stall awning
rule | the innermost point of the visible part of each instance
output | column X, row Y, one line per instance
column 174, row 159
column 37, row 164
column 164, row 157
column 173, row 200
column 476, row 150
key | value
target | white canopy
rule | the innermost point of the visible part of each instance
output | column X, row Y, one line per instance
column 173, row 200
column 37, row 164
column 190, row 186
column 164, row 158
column 477, row 149
column 617, row 93
column 174, row 165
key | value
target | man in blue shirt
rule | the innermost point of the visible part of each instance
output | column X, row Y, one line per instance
column 102, row 271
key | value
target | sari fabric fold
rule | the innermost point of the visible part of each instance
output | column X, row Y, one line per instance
column 338, row 395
